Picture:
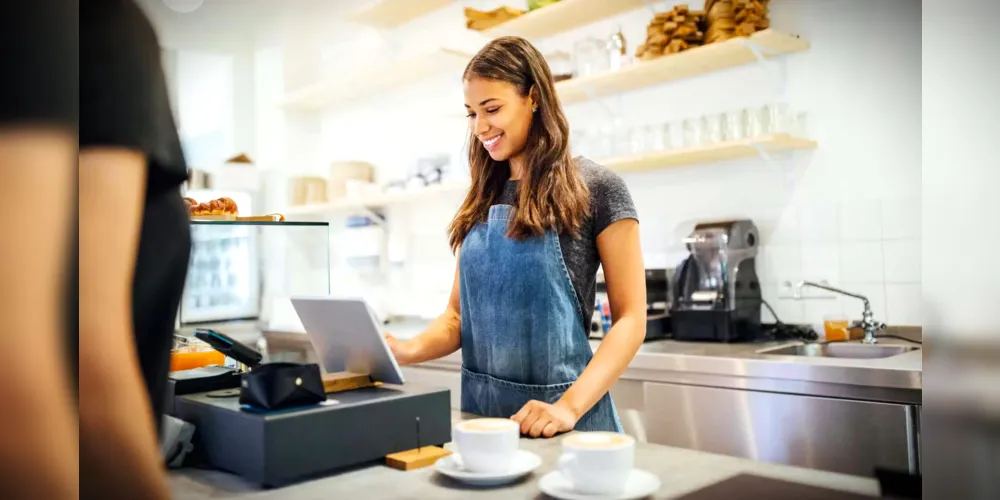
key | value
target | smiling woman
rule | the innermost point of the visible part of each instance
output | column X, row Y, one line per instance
column 510, row 98
column 530, row 235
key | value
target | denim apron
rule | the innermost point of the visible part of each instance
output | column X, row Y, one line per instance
column 523, row 333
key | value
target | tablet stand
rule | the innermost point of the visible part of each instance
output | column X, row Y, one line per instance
column 346, row 381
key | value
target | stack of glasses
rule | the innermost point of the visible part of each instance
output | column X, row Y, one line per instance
column 614, row 139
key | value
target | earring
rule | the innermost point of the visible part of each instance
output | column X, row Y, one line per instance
column 534, row 109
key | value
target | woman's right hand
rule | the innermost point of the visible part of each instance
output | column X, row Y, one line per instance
column 398, row 348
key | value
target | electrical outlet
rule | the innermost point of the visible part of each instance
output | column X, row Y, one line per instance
column 787, row 291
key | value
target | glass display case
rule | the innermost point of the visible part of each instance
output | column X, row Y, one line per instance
column 249, row 270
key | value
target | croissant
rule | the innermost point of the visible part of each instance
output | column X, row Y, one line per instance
column 220, row 206
column 228, row 205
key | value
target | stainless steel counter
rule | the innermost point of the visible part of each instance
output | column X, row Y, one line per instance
column 680, row 471
column 740, row 366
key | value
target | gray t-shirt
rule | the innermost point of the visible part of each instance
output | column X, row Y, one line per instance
column 610, row 202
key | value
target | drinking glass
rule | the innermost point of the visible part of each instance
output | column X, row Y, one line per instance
column 605, row 141
column 583, row 142
column 752, row 124
column 654, row 137
column 673, row 135
column 798, row 127
column 835, row 327
column 622, row 140
column 637, row 141
column 764, row 115
column 590, row 57
column 777, row 118
column 693, row 133
column 733, row 131
column 712, row 128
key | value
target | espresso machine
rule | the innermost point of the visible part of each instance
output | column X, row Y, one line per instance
column 716, row 291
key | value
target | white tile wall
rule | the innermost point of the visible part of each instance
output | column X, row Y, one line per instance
column 861, row 262
column 847, row 212
column 860, row 221
column 821, row 262
column 901, row 219
column 904, row 304
column 902, row 261
column 819, row 222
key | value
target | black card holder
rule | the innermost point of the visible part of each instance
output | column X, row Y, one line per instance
column 275, row 386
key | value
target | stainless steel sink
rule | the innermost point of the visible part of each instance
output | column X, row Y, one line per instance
column 852, row 351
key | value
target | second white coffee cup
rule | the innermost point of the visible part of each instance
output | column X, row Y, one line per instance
column 487, row 445
column 597, row 463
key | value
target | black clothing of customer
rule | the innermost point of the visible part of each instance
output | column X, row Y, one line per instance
column 124, row 103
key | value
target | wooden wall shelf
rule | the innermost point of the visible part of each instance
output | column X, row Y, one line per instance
column 392, row 13
column 707, row 154
column 696, row 61
column 563, row 16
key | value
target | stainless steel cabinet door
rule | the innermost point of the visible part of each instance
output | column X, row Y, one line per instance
column 830, row 434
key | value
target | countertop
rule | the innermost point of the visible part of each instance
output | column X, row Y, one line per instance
column 740, row 365
column 681, row 471
column 894, row 379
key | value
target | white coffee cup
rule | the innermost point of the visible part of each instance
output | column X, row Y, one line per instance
column 597, row 463
column 487, row 445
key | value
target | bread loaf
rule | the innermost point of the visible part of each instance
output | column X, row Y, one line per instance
column 673, row 31
column 727, row 19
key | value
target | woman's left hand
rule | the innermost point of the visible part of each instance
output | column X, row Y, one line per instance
column 543, row 419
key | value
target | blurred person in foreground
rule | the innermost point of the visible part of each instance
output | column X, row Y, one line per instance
column 38, row 119
column 134, row 247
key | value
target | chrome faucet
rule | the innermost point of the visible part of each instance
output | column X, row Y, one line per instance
column 867, row 322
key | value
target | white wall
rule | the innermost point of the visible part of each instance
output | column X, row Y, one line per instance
column 848, row 212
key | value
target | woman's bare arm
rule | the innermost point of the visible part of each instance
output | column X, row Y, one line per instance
column 118, row 442
column 441, row 338
column 624, row 273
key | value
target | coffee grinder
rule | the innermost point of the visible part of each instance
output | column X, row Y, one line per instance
column 716, row 291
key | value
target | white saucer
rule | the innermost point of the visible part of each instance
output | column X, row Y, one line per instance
column 524, row 462
column 640, row 484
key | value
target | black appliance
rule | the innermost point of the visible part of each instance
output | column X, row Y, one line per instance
column 658, row 324
column 716, row 291
column 657, row 305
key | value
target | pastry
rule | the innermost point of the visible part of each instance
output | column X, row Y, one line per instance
column 673, row 31
column 220, row 206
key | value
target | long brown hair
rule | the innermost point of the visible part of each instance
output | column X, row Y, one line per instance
column 551, row 193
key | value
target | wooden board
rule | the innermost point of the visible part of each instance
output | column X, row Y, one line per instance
column 692, row 62
column 262, row 218
column 392, row 13
column 214, row 217
column 730, row 150
column 563, row 16
column 416, row 459
column 346, row 381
